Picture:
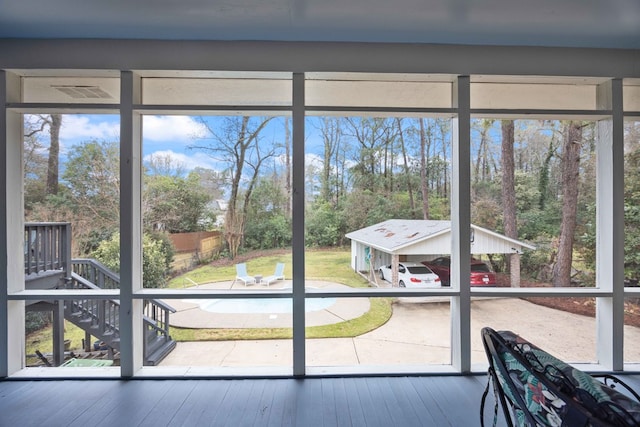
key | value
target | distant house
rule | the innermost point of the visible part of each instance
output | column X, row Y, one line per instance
column 219, row 207
column 419, row 240
column 221, row 204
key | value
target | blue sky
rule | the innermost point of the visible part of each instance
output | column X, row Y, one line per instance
column 166, row 135
column 163, row 135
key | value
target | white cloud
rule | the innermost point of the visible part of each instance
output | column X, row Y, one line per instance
column 316, row 161
column 155, row 128
column 171, row 128
column 313, row 160
column 188, row 161
column 76, row 127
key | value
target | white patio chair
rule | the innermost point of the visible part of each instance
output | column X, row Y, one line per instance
column 277, row 275
column 242, row 275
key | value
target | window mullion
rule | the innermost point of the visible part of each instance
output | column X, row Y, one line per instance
column 131, row 338
column 12, row 313
column 461, row 228
column 298, row 259
column 610, row 227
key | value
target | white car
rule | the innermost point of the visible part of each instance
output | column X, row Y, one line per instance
column 412, row 275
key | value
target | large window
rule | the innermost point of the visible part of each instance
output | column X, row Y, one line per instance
column 72, row 221
column 221, row 223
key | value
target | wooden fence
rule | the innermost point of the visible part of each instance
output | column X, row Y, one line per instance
column 192, row 248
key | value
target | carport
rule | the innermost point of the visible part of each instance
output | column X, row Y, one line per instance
column 397, row 240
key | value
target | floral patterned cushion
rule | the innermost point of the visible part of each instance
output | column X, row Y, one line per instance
column 545, row 391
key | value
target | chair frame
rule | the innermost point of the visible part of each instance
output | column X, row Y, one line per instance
column 580, row 408
column 245, row 278
column 277, row 275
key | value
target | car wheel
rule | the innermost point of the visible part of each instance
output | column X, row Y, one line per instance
column 401, row 284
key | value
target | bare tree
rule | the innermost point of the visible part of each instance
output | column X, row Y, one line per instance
column 509, row 196
column 484, row 159
column 35, row 164
column 444, row 127
column 374, row 136
column 424, row 185
column 55, row 122
column 37, row 126
column 287, row 163
column 331, row 133
column 237, row 143
column 92, row 179
column 407, row 169
column 570, row 165
column 164, row 165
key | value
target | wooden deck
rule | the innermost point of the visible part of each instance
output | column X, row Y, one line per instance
column 369, row 401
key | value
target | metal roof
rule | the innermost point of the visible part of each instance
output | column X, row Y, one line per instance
column 393, row 235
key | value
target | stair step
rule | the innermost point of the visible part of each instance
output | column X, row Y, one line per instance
column 160, row 353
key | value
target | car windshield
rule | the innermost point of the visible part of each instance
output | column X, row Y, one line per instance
column 480, row 268
column 418, row 270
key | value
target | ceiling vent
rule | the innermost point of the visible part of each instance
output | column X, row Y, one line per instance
column 83, row 92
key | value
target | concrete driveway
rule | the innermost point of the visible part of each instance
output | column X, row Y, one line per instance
column 418, row 333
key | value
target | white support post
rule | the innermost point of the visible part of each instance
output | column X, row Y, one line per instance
column 12, row 316
column 131, row 328
column 395, row 259
column 610, row 227
column 461, row 228
column 4, row 230
column 298, row 202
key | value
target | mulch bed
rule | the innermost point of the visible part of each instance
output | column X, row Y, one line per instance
column 585, row 306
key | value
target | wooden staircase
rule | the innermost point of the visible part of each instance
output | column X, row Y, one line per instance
column 46, row 268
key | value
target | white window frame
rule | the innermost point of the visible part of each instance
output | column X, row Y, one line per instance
column 301, row 58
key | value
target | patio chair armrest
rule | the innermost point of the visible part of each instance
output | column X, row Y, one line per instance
column 615, row 381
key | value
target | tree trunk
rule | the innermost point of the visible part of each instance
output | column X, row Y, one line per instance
column 570, row 164
column 443, row 132
column 407, row 169
column 54, row 154
column 423, row 171
column 287, row 182
column 509, row 196
column 241, row 145
column 328, row 130
column 483, row 159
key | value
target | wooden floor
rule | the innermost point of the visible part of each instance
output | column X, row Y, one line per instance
column 372, row 401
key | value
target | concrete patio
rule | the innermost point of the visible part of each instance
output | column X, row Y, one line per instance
column 418, row 333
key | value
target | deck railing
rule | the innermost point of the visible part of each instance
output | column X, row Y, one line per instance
column 96, row 273
column 91, row 274
column 102, row 316
column 47, row 247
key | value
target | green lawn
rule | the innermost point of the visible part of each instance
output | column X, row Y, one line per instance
column 42, row 340
column 333, row 265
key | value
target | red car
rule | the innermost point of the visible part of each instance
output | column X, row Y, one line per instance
column 481, row 273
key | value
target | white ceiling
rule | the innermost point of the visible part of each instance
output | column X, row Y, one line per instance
column 569, row 23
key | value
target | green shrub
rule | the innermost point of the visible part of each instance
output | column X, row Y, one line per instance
column 157, row 255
